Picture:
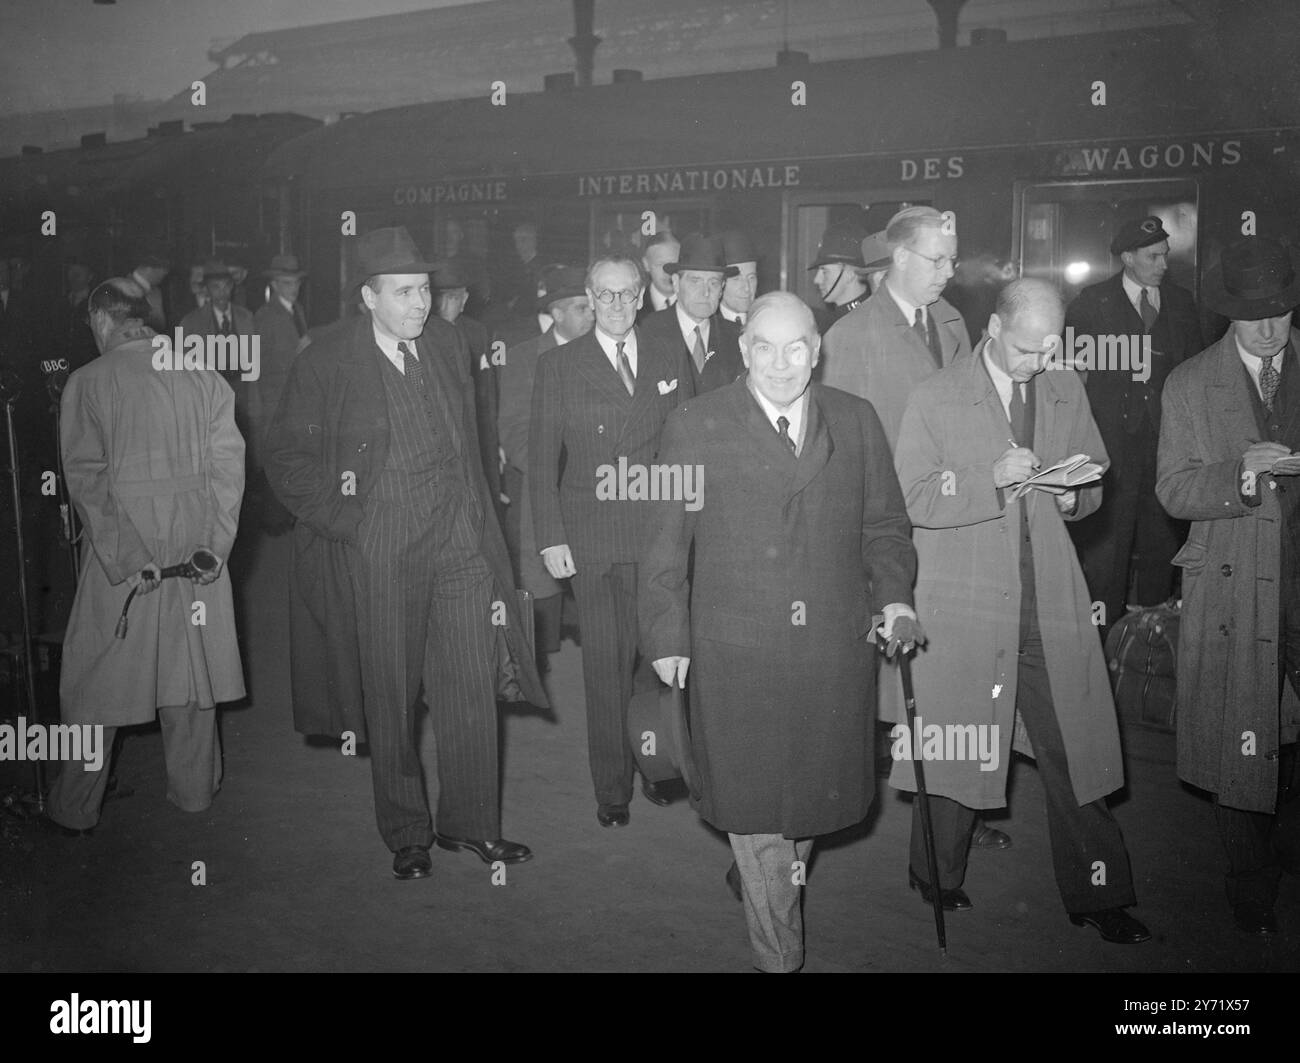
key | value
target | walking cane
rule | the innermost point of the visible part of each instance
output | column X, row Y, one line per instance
column 927, row 828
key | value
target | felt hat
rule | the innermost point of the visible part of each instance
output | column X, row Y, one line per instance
column 660, row 738
column 1254, row 278
column 284, row 266
column 561, row 282
column 702, row 253
column 388, row 250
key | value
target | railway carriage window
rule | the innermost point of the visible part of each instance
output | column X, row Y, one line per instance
column 1064, row 230
column 618, row 227
column 810, row 217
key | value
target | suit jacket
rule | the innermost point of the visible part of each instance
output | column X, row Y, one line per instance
column 332, row 420
column 792, row 556
column 968, row 584
column 647, row 309
column 581, row 408
column 1232, row 576
column 202, row 321
column 478, row 341
column 875, row 353
column 513, row 421
column 722, row 363
column 1104, row 310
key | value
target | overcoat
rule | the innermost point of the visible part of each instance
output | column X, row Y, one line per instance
column 793, row 556
column 330, row 430
column 155, row 468
column 280, row 343
column 874, row 352
column 513, row 418
column 968, row 588
column 1231, row 562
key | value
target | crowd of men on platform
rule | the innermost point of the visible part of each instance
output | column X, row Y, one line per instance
column 859, row 481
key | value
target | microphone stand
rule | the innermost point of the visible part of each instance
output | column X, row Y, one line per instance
column 10, row 387
column 67, row 515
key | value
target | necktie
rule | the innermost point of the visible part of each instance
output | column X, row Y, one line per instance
column 1147, row 311
column 783, row 430
column 698, row 352
column 1269, row 379
column 224, row 324
column 413, row 366
column 1017, row 415
column 299, row 320
column 625, row 370
column 925, row 329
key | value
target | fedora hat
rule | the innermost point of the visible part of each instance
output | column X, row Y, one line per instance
column 660, row 738
column 736, row 248
column 284, row 266
column 561, row 282
column 875, row 252
column 840, row 245
column 703, row 254
column 388, row 251
column 213, row 268
column 1254, row 278
column 446, row 275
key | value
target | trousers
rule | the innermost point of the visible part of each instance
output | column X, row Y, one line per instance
column 772, row 870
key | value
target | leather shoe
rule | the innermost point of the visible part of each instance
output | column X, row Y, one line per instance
column 654, row 794
column 953, row 900
column 1255, row 917
column 50, row 826
column 412, row 861
column 986, row 837
column 613, row 815
column 733, row 881
column 490, row 851
column 1114, row 924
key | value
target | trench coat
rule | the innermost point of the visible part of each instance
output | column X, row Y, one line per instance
column 155, row 468
column 333, row 419
column 968, row 592
column 793, row 556
column 278, row 329
column 1231, row 562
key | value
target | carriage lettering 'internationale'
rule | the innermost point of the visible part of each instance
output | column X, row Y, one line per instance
column 707, row 179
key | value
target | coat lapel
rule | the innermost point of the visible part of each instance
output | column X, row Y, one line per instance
column 817, row 446
column 650, row 370
column 1228, row 392
column 594, row 366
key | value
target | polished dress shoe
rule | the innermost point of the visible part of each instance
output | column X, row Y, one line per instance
column 50, row 826
column 986, row 837
column 489, row 852
column 1255, row 917
column 612, row 815
column 954, row 900
column 734, row 883
column 654, row 793
column 1114, row 924
column 412, row 861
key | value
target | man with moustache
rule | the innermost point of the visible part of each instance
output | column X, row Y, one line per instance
column 660, row 250
column 802, row 537
column 1228, row 463
column 692, row 324
column 1131, row 533
column 565, row 300
column 1003, row 599
column 598, row 401
column 402, row 586
column 738, row 291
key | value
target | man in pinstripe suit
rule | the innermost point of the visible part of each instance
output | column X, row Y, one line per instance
column 374, row 449
column 602, row 399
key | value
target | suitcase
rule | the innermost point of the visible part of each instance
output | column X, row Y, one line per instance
column 1142, row 656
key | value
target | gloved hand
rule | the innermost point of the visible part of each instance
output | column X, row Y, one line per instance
column 905, row 631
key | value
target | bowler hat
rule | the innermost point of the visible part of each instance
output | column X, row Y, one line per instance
column 703, row 254
column 1136, row 233
column 661, row 741
column 214, row 268
column 284, row 266
column 840, row 245
column 875, row 252
column 561, row 282
column 388, row 250
column 446, row 275
column 1254, row 278
column 736, row 248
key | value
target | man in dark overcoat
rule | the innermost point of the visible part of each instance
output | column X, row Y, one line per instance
column 1228, row 439
column 800, row 538
column 1131, row 533
column 401, row 576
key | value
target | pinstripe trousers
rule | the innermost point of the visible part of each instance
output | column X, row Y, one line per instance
column 424, row 598
column 606, row 597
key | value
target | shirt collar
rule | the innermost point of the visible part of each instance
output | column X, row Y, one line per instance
column 688, row 326
column 1254, row 362
column 730, row 315
column 610, row 345
column 1002, row 381
column 135, row 276
column 795, row 414
column 389, row 346
column 285, row 303
column 908, row 309
column 1134, row 291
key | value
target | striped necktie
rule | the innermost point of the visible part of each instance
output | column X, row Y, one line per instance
column 625, row 370
column 698, row 353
